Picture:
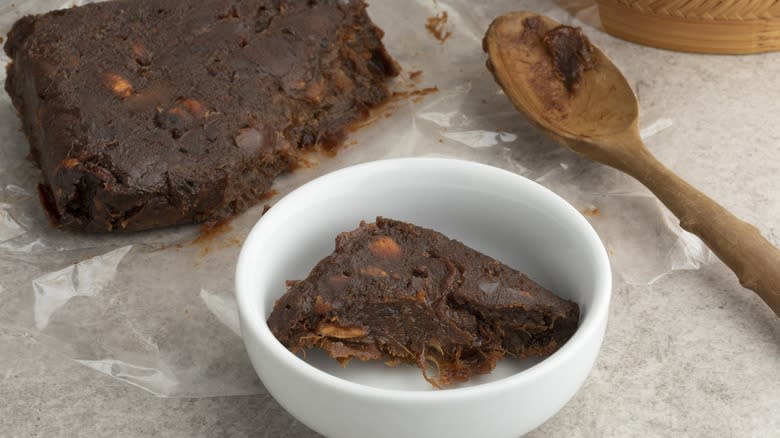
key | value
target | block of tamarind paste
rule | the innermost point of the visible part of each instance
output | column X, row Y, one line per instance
column 150, row 113
column 400, row 293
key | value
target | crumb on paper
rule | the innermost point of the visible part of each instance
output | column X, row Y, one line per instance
column 591, row 212
column 435, row 26
column 416, row 75
column 397, row 95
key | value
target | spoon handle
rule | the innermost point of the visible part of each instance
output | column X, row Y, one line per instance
column 738, row 244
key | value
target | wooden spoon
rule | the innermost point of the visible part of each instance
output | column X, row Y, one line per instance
column 600, row 120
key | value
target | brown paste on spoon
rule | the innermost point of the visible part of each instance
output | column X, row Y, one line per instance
column 570, row 50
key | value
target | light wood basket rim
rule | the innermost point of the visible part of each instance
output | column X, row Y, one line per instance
column 704, row 10
column 688, row 33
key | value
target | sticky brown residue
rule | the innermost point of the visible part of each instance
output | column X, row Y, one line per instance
column 591, row 212
column 268, row 195
column 398, row 95
column 386, row 109
column 554, row 77
column 533, row 28
column 214, row 235
column 571, row 53
column 233, row 242
column 416, row 75
column 211, row 230
column 435, row 26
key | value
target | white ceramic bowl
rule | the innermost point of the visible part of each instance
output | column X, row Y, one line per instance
column 494, row 211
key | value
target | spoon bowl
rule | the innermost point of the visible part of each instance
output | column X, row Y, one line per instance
column 521, row 64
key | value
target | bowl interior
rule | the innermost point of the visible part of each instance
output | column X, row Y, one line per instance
column 501, row 214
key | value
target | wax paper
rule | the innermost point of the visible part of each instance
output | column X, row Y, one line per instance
column 156, row 309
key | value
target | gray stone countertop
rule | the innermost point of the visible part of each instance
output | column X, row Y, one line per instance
column 690, row 355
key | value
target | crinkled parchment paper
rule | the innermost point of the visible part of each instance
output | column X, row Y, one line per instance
column 156, row 310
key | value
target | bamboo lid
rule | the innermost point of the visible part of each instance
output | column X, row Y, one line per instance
column 704, row 26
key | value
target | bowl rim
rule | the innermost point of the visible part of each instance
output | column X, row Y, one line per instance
column 255, row 323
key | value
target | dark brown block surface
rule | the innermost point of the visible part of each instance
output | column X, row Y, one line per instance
column 400, row 293
column 150, row 113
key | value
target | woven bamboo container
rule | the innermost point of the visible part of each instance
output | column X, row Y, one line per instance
column 705, row 26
